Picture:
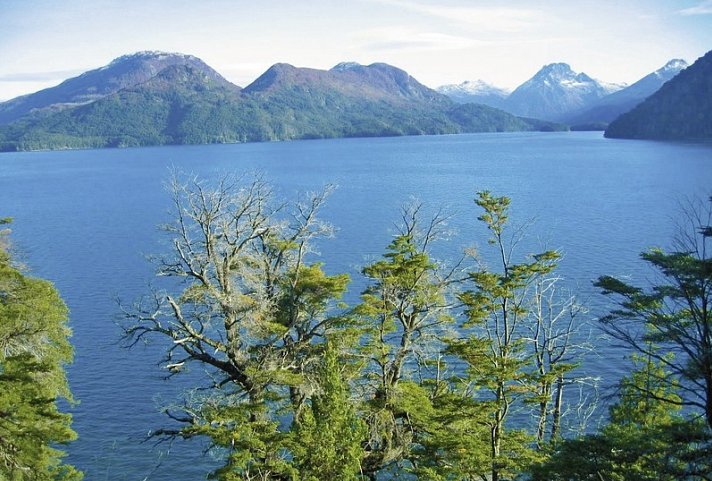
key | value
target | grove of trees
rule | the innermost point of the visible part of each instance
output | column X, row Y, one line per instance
column 439, row 371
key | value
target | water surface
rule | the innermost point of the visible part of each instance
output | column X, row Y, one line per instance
column 86, row 219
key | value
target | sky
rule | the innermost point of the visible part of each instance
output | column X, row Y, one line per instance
column 43, row 42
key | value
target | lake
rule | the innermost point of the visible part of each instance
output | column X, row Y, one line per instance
column 86, row 220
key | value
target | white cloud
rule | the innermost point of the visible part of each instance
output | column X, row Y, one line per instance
column 498, row 19
column 410, row 39
column 704, row 8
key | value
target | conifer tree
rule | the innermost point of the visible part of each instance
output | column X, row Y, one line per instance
column 646, row 439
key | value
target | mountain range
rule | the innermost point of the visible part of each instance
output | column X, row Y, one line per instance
column 558, row 93
column 156, row 98
column 608, row 108
column 680, row 110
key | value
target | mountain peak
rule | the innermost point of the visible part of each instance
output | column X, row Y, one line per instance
column 150, row 55
column 554, row 91
column 556, row 69
column 127, row 71
column 674, row 65
column 477, row 87
column 345, row 66
column 679, row 109
column 475, row 91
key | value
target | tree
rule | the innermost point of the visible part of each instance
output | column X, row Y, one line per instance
column 671, row 322
column 554, row 327
column 34, row 350
column 496, row 352
column 247, row 307
column 406, row 308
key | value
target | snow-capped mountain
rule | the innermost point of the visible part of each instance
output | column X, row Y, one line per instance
column 611, row 106
column 477, row 92
column 554, row 92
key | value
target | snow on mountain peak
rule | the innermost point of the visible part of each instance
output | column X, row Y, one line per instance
column 473, row 87
column 555, row 70
column 674, row 65
column 344, row 66
column 610, row 87
column 152, row 55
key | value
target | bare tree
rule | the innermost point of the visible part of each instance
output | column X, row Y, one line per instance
column 244, row 302
column 559, row 345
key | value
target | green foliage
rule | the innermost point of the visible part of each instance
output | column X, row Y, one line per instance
column 496, row 352
column 672, row 318
column 254, row 446
column 328, row 437
column 283, row 359
column 650, row 436
column 256, row 314
column 34, row 349
column 407, row 310
column 646, row 438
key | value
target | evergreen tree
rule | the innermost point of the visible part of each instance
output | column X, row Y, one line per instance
column 646, row 439
column 34, row 350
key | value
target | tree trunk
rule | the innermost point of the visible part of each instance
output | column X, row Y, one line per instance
column 556, row 417
column 545, row 394
column 496, row 439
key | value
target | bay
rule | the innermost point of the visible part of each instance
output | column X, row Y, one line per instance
column 86, row 219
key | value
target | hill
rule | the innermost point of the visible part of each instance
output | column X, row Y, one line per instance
column 680, row 110
column 177, row 99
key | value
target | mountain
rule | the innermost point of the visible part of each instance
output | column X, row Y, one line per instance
column 180, row 104
column 350, row 100
column 680, row 110
column 183, row 101
column 554, row 92
column 611, row 106
column 476, row 92
column 124, row 72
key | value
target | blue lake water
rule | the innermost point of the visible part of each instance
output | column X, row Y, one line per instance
column 86, row 219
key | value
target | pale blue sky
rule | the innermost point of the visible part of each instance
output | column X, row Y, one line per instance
column 43, row 42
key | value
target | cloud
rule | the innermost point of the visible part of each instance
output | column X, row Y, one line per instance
column 405, row 38
column 704, row 8
column 498, row 19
